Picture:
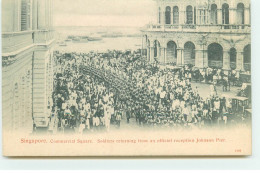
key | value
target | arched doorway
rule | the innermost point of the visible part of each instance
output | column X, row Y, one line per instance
column 215, row 55
column 247, row 57
column 175, row 15
column 189, row 15
column 168, row 15
column 225, row 15
column 233, row 58
column 214, row 14
column 240, row 14
column 171, row 52
column 189, row 53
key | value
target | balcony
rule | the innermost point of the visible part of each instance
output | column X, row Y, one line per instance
column 223, row 28
column 14, row 41
column 43, row 36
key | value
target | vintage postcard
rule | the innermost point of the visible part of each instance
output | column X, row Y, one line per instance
column 126, row 78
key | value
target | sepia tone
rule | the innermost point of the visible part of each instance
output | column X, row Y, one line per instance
column 105, row 82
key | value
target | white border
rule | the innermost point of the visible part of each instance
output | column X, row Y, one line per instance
column 248, row 163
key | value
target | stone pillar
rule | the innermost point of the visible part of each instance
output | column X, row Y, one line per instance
column 182, row 16
column 220, row 16
column 34, row 14
column 171, row 17
column 41, row 14
column 226, row 60
column 180, row 59
column 165, row 55
column 199, row 58
column 161, row 56
column 205, row 58
column 163, row 18
column 158, row 52
column 247, row 16
column 151, row 54
column 148, row 54
column 232, row 16
column 17, row 15
column 240, row 61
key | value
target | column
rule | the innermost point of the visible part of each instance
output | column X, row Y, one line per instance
column 163, row 17
column 148, row 54
column 247, row 16
column 41, row 14
column 17, row 15
column 171, row 16
column 232, row 16
column 226, row 60
column 219, row 16
column 179, row 56
column 34, row 14
column 161, row 57
column 159, row 17
column 47, row 13
column 151, row 54
column 165, row 55
column 205, row 58
column 199, row 58
column 158, row 53
column 182, row 15
column 240, row 61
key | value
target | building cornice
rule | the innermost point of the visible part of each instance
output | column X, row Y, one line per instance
column 14, row 53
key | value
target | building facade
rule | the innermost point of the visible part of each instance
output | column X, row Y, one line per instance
column 204, row 33
column 27, row 63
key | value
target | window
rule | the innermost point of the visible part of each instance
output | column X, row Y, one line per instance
column 168, row 15
column 240, row 14
column 175, row 15
column 213, row 14
column 189, row 13
column 225, row 14
column 25, row 15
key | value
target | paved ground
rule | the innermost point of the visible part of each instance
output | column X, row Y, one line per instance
column 204, row 90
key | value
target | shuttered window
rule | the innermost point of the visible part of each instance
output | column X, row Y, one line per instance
column 25, row 15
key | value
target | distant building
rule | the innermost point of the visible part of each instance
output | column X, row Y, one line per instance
column 204, row 33
column 27, row 63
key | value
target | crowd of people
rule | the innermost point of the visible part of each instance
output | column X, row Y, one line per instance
column 96, row 90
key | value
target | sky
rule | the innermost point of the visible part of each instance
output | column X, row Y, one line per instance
column 103, row 12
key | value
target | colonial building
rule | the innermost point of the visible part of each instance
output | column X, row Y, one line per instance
column 27, row 60
column 204, row 33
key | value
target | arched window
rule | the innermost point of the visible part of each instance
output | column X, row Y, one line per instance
column 240, row 14
column 175, row 15
column 225, row 14
column 189, row 15
column 25, row 15
column 214, row 14
column 168, row 15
